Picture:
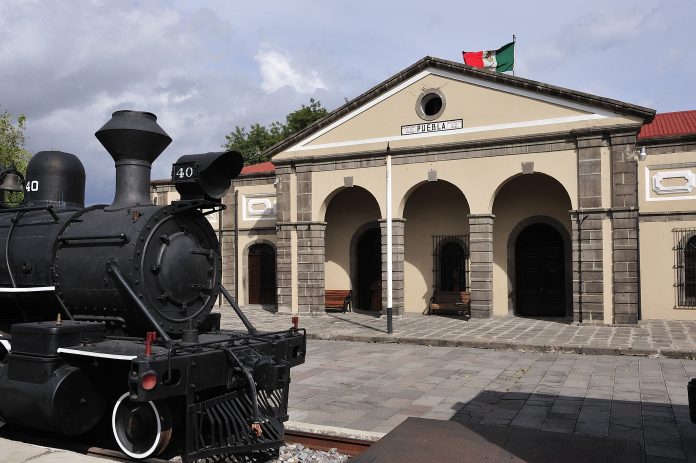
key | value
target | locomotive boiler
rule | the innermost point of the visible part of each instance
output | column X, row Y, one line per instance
column 106, row 312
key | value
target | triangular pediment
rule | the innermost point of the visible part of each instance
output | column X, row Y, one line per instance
column 473, row 105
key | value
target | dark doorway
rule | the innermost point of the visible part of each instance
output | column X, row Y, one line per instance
column 540, row 270
column 369, row 274
column 262, row 274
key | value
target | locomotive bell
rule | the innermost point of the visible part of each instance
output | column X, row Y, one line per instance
column 206, row 176
column 134, row 140
column 11, row 182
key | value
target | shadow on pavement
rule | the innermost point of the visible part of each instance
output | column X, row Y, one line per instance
column 347, row 320
column 663, row 430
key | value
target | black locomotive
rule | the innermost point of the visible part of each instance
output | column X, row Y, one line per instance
column 106, row 311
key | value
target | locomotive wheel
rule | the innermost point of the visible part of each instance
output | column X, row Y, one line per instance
column 141, row 429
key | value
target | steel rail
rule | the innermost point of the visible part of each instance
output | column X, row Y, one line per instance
column 315, row 441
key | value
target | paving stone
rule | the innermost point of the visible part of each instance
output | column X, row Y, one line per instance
column 376, row 385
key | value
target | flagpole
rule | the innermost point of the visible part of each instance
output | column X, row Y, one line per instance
column 390, row 328
column 514, row 53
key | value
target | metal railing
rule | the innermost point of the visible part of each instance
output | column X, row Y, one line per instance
column 685, row 266
column 451, row 262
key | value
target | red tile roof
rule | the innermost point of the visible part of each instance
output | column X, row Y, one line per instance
column 261, row 168
column 670, row 124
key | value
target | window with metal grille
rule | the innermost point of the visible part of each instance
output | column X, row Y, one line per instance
column 685, row 266
column 451, row 262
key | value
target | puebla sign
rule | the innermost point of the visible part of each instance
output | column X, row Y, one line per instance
column 427, row 127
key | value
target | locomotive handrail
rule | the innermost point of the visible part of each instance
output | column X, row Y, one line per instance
column 182, row 206
column 112, row 269
column 122, row 237
column 48, row 209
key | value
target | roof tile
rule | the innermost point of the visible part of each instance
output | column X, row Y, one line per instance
column 670, row 124
column 260, row 168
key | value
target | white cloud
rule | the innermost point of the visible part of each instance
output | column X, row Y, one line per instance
column 277, row 72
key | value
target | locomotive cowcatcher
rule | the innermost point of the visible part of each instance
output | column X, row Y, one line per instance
column 106, row 311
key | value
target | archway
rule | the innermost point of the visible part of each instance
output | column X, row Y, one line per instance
column 262, row 274
column 436, row 233
column 540, row 271
column 350, row 213
column 368, row 270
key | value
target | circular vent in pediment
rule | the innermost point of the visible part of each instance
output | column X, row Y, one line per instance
column 430, row 104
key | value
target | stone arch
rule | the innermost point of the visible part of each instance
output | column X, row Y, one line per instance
column 327, row 200
column 347, row 212
column 416, row 186
column 508, row 180
column 432, row 211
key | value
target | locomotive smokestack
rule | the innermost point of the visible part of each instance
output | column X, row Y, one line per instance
column 134, row 140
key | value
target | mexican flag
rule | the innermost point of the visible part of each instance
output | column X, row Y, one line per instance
column 499, row 60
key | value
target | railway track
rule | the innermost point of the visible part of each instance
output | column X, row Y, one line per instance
column 313, row 441
column 325, row 442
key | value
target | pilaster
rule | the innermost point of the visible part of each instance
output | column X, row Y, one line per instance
column 625, row 265
column 481, row 264
column 588, row 265
column 310, row 266
column 398, row 227
column 624, row 201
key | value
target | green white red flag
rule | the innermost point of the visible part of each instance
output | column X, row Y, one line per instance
column 499, row 60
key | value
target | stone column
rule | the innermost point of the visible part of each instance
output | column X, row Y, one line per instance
column 588, row 263
column 624, row 202
column 588, row 266
column 625, row 263
column 284, row 229
column 398, row 227
column 229, row 266
column 481, row 264
column 310, row 267
column 284, row 267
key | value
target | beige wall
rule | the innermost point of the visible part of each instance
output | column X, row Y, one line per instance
column 328, row 184
column 668, row 163
column 246, row 225
column 486, row 113
column 657, row 273
column 524, row 196
column 434, row 208
column 478, row 178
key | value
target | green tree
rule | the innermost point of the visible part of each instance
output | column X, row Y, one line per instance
column 255, row 141
column 12, row 150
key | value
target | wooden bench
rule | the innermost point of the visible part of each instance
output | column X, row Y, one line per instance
column 337, row 299
column 453, row 302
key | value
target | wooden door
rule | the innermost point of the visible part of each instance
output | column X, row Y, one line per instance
column 262, row 274
column 540, row 270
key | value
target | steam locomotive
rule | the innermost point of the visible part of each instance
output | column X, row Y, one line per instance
column 106, row 311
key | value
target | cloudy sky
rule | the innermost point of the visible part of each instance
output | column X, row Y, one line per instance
column 205, row 66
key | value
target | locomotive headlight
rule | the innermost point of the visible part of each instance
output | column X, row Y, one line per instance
column 206, row 176
column 148, row 381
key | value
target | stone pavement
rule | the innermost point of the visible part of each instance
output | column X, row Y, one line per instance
column 528, row 375
column 674, row 339
column 374, row 387
column 19, row 452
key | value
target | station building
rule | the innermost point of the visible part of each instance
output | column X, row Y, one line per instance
column 538, row 200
